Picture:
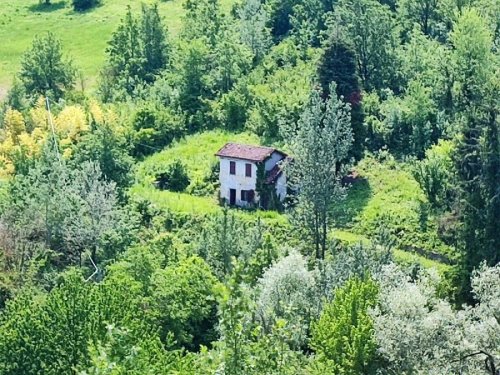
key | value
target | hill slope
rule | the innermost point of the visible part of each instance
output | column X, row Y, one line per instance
column 84, row 35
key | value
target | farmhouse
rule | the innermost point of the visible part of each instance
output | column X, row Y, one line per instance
column 252, row 175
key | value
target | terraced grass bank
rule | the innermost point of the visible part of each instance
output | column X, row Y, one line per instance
column 385, row 195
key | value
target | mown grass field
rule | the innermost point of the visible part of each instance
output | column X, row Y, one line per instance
column 84, row 35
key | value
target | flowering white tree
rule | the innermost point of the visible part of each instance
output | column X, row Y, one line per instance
column 287, row 291
column 419, row 333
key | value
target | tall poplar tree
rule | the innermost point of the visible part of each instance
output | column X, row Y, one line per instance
column 477, row 155
column 253, row 30
column 44, row 71
column 137, row 52
column 320, row 147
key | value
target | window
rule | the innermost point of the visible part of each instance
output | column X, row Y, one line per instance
column 248, row 170
column 247, row 195
column 232, row 167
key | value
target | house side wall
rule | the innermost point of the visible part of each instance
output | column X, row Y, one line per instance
column 273, row 160
column 281, row 186
column 237, row 181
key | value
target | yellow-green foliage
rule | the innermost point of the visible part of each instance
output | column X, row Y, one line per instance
column 343, row 337
column 70, row 124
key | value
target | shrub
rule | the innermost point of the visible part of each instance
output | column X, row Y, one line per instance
column 80, row 5
column 175, row 178
column 154, row 127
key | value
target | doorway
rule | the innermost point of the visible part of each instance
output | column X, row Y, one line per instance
column 232, row 197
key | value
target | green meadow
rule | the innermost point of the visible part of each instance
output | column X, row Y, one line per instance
column 84, row 35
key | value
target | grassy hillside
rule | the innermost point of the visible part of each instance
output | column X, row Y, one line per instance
column 197, row 153
column 384, row 194
column 84, row 35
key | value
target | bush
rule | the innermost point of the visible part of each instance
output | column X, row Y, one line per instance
column 154, row 128
column 175, row 178
column 80, row 5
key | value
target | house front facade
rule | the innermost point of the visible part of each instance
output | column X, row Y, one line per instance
column 251, row 175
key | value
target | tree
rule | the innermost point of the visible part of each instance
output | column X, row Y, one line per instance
column 338, row 64
column 184, row 300
column 253, row 28
column 125, row 66
column 369, row 26
column 13, row 124
column 51, row 334
column 154, row 37
column 435, row 174
column 106, row 146
column 137, row 52
column 343, row 336
column 320, row 147
column 194, row 84
column 44, row 71
column 425, row 13
column 287, row 292
column 175, row 178
column 154, row 127
column 203, row 20
column 232, row 61
column 418, row 332
column 221, row 241
column 477, row 153
column 472, row 59
column 67, row 211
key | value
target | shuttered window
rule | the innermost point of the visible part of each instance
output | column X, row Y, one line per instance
column 248, row 170
column 232, row 167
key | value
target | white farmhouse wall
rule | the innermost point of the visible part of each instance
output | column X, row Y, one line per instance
column 273, row 160
column 237, row 181
column 281, row 186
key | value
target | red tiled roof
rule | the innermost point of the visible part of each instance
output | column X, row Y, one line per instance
column 246, row 152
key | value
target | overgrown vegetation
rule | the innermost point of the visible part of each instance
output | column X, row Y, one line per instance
column 116, row 254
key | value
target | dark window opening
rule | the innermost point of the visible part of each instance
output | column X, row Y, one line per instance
column 248, row 170
column 247, row 195
column 232, row 167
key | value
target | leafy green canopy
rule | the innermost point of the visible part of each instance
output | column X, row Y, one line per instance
column 343, row 337
column 44, row 71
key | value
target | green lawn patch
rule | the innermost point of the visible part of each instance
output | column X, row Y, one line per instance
column 386, row 195
column 84, row 35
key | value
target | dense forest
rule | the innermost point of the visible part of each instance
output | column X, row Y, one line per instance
column 118, row 257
